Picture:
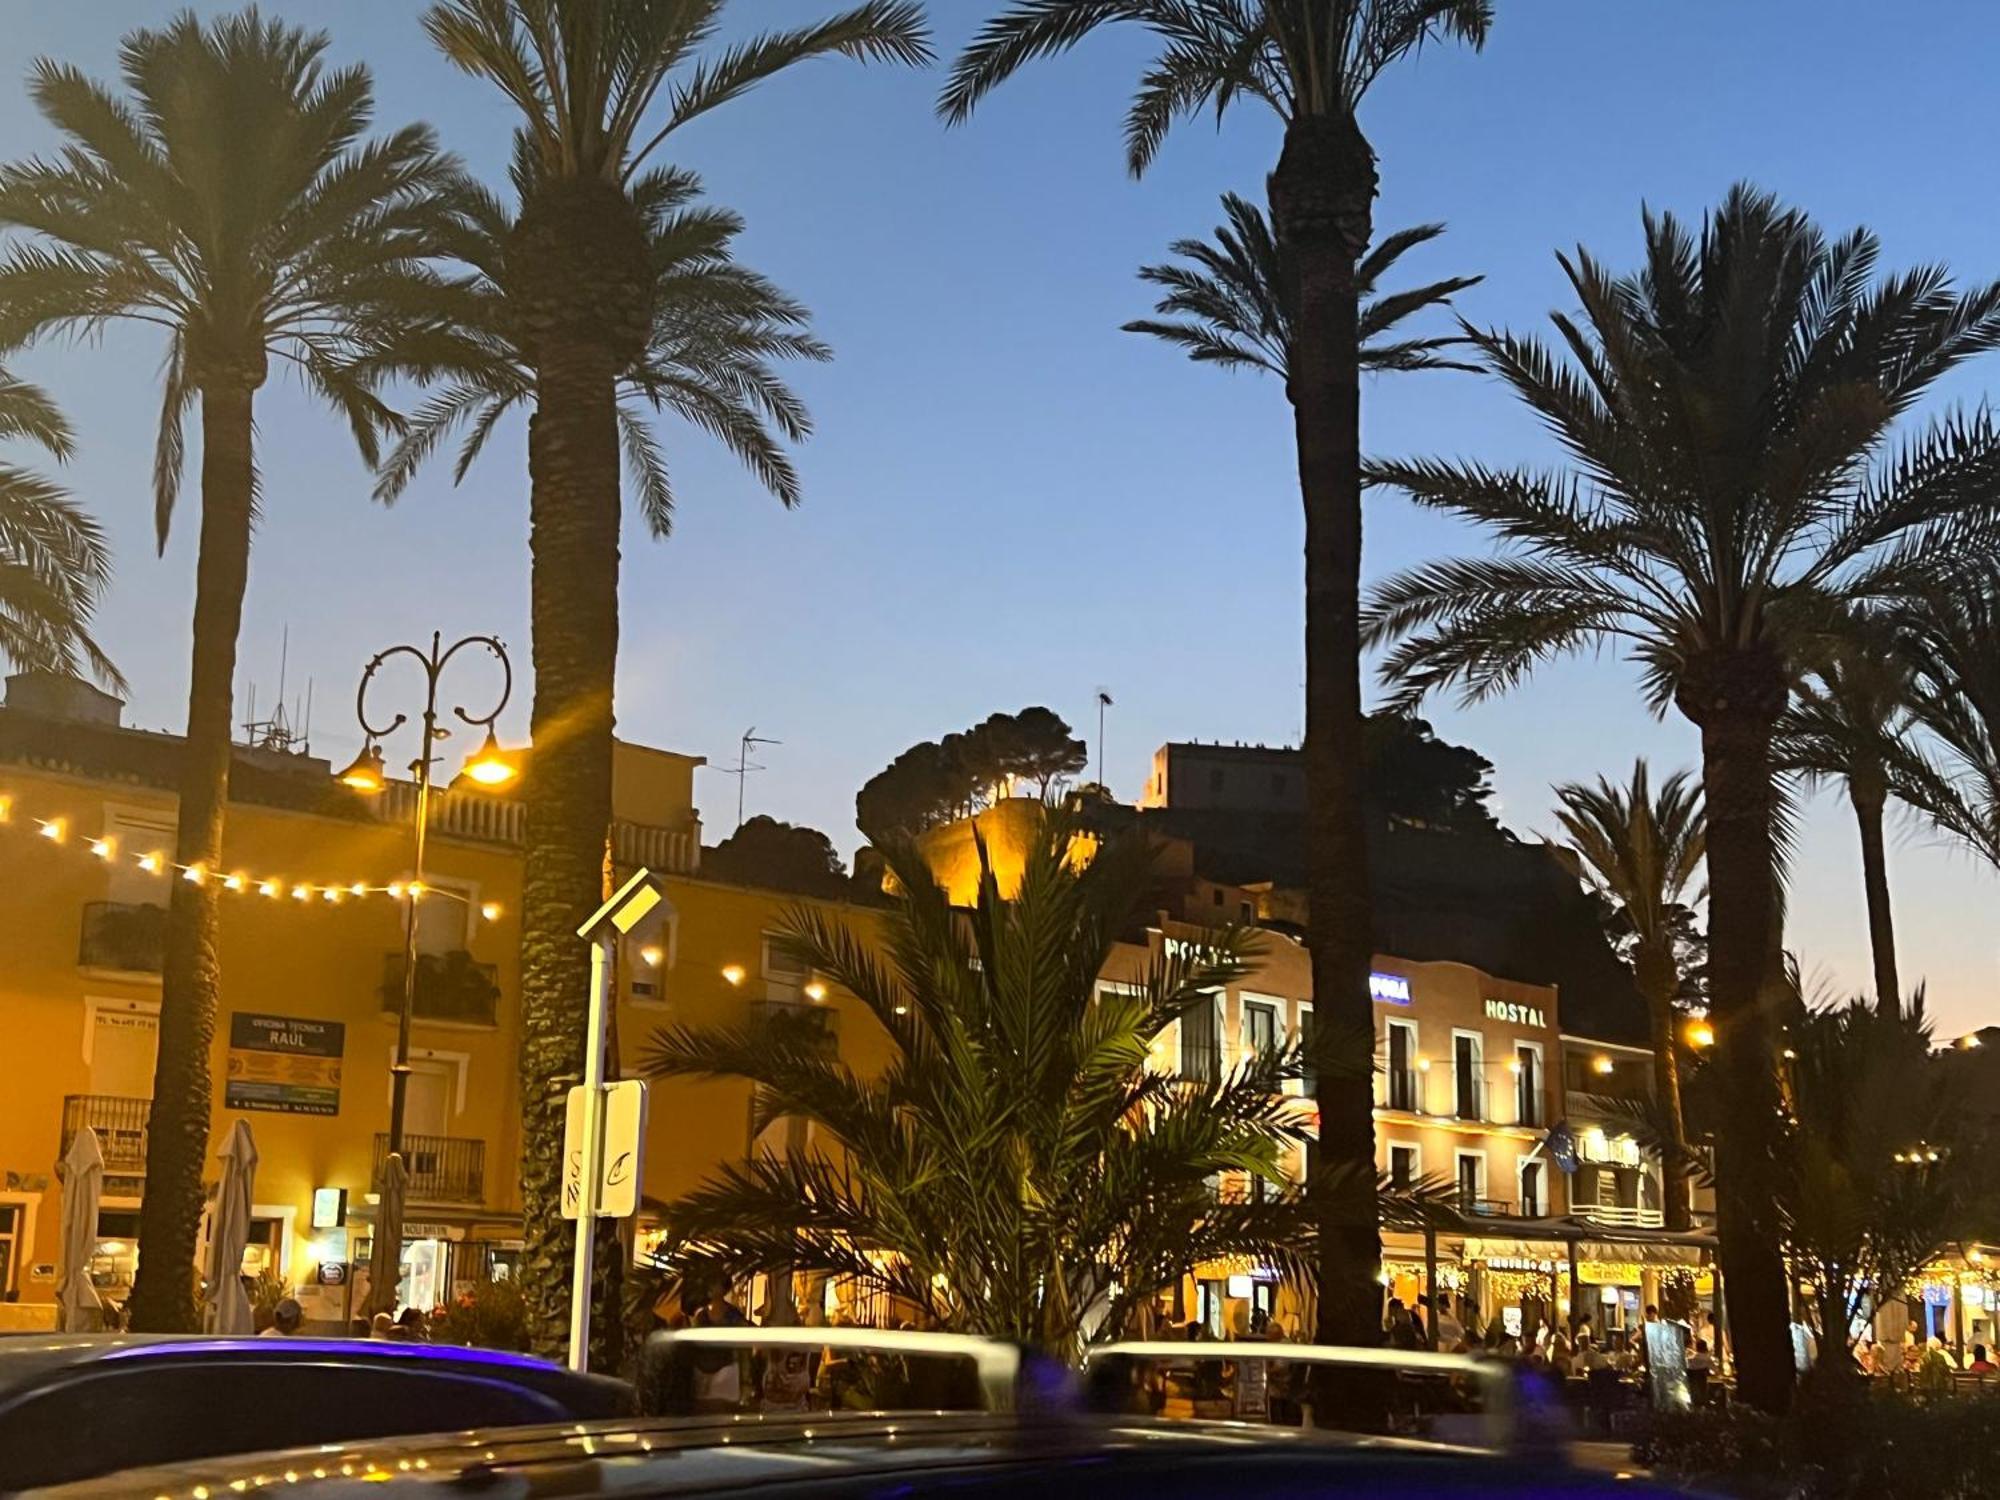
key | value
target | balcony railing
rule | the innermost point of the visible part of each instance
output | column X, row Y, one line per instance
column 1485, row 1208
column 818, row 1022
column 1406, row 1090
column 442, row 1168
column 120, row 1123
column 123, row 936
column 484, row 818
column 1618, row 1216
column 450, row 987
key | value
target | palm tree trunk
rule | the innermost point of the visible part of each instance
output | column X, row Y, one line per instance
column 163, row 1291
column 1743, row 913
column 1321, row 196
column 573, row 542
column 1869, row 805
column 1657, row 983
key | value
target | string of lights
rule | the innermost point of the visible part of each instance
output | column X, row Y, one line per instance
column 64, row 831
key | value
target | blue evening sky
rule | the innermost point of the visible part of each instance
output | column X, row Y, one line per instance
column 1008, row 500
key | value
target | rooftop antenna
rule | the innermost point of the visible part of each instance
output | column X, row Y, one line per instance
column 744, row 765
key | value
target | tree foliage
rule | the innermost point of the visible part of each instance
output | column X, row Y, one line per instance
column 1417, row 780
column 1235, row 301
column 780, row 857
column 54, row 563
column 1018, row 1169
column 936, row 781
column 1951, row 632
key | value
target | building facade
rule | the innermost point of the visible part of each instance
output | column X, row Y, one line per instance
column 311, row 955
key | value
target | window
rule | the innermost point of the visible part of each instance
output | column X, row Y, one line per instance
column 1404, row 1165
column 1245, row 911
column 1217, row 894
column 1471, row 1180
column 1531, row 1190
column 442, row 916
column 1201, row 1041
column 1404, row 1092
column 1467, row 1072
column 785, row 974
column 1260, row 1027
column 135, row 832
column 1309, row 1082
column 1527, row 1083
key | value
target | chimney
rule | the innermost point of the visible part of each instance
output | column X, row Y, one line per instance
column 68, row 699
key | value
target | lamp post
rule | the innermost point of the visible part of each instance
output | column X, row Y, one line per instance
column 489, row 767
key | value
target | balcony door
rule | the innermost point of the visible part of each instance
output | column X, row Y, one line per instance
column 1468, row 1072
column 427, row 1104
column 1402, row 1046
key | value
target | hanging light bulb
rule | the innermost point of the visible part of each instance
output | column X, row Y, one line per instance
column 395, row 890
column 357, row 889
column 102, row 848
column 233, row 883
column 53, row 829
column 302, row 893
column 194, row 874
column 150, row 863
column 365, row 773
column 267, row 887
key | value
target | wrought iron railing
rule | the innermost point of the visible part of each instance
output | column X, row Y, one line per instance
column 441, row 1168
column 1618, row 1216
column 123, row 935
column 120, row 1123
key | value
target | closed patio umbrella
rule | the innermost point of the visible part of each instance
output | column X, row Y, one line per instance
column 228, row 1304
column 82, row 1188
column 385, row 1263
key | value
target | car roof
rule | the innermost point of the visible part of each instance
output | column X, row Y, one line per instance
column 30, row 1361
column 702, row 1455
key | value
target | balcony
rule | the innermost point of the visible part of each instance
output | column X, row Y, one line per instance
column 817, row 1022
column 122, row 937
column 442, row 1168
column 450, row 987
column 120, row 1124
column 1618, row 1216
column 1485, row 1208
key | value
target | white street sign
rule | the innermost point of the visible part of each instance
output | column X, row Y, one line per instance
column 624, row 1146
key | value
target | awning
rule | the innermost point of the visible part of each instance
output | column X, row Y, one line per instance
column 1543, row 1239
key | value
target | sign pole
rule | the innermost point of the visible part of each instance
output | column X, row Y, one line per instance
column 593, row 1157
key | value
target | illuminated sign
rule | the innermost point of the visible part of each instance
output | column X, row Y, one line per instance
column 1518, row 1015
column 1392, row 989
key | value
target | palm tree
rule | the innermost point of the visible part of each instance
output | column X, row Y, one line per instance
column 1643, row 852
column 1725, row 410
column 1017, row 1168
column 1951, row 631
column 1233, row 306
column 53, row 561
column 599, row 85
column 1311, row 62
column 717, row 330
column 229, row 200
column 1850, row 723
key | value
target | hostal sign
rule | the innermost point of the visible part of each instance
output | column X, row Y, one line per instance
column 1517, row 1015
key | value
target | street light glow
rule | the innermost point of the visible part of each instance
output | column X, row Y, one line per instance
column 491, row 765
column 365, row 773
column 1700, row 1034
column 490, row 911
column 733, row 973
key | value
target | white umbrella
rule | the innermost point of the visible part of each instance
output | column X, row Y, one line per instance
column 385, row 1264
column 228, row 1304
column 82, row 1188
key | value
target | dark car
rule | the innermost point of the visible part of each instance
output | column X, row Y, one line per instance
column 75, row 1407
column 1046, row 1438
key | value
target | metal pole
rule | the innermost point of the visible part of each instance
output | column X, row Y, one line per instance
column 1431, row 1286
column 742, row 769
column 399, row 1071
column 593, row 1159
column 1575, row 1292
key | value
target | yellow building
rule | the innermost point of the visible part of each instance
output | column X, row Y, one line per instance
column 312, row 971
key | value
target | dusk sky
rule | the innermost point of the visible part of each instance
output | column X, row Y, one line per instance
column 1009, row 501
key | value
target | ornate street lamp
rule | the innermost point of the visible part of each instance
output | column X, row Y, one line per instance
column 490, row 766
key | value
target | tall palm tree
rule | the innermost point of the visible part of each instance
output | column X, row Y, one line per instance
column 600, row 85
column 1311, row 62
column 1725, row 410
column 1234, row 304
column 1017, row 1168
column 230, row 200
column 53, row 561
column 1850, row 723
column 1643, row 851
